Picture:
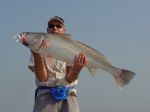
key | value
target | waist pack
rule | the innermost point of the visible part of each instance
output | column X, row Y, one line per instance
column 57, row 92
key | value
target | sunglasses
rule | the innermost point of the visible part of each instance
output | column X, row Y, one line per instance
column 53, row 25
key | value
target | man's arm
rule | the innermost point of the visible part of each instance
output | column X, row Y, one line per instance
column 39, row 67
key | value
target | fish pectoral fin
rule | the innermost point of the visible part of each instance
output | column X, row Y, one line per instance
column 92, row 70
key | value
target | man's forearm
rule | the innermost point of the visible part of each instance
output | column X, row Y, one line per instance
column 40, row 69
column 72, row 74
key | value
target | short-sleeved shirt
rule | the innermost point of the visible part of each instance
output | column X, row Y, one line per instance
column 56, row 73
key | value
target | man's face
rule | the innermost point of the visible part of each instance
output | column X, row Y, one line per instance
column 56, row 27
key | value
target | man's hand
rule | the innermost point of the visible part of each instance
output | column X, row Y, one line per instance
column 73, row 71
column 79, row 62
column 44, row 44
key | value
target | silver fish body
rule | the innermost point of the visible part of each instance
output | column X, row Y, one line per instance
column 64, row 48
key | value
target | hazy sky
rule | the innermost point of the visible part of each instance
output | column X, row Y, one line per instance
column 118, row 28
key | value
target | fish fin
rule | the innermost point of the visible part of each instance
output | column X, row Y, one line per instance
column 65, row 36
column 124, row 77
column 92, row 71
column 68, row 35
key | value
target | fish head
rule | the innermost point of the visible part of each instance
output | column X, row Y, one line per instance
column 31, row 40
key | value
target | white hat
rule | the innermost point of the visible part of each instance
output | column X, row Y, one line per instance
column 56, row 18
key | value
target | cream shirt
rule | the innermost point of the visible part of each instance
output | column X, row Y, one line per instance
column 56, row 73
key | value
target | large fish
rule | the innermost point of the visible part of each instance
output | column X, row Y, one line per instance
column 64, row 48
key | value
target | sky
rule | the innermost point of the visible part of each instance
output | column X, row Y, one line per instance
column 120, row 29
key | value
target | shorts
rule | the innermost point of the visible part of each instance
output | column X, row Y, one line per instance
column 45, row 103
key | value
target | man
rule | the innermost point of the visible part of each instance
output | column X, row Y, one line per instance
column 56, row 80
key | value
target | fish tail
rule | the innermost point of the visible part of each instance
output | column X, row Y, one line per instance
column 124, row 77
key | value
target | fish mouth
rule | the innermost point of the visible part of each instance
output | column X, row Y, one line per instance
column 22, row 38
